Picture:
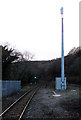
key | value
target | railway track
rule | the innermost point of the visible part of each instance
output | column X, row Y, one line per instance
column 17, row 109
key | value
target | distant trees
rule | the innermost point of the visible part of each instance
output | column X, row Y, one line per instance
column 25, row 77
column 9, row 56
column 25, row 56
column 14, row 63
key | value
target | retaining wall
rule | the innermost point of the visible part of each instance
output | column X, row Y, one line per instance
column 9, row 87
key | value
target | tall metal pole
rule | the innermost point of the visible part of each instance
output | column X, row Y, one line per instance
column 62, row 59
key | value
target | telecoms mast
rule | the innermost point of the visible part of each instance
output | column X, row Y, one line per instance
column 62, row 53
column 61, row 81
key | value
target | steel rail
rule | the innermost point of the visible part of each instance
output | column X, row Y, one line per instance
column 27, row 104
column 16, row 102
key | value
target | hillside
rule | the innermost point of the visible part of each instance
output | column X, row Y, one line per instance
column 47, row 70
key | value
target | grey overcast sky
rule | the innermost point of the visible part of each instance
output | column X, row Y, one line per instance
column 35, row 26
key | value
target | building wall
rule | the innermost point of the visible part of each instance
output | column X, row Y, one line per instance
column 9, row 87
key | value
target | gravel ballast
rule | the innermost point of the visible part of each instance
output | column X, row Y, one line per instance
column 51, row 103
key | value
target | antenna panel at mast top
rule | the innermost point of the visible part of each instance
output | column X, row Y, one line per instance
column 61, row 10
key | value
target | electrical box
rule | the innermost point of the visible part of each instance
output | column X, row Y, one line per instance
column 59, row 83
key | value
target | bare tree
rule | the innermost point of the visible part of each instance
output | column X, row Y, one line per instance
column 28, row 56
column 25, row 56
column 20, row 55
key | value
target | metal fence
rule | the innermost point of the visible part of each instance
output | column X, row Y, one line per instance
column 9, row 87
